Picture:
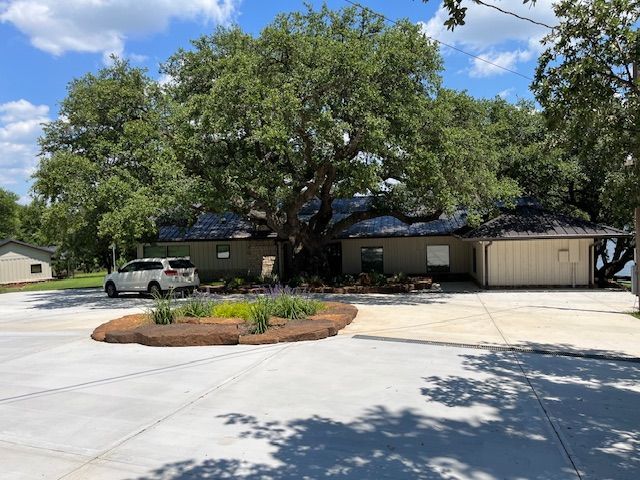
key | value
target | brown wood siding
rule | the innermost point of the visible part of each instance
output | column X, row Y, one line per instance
column 245, row 257
column 407, row 255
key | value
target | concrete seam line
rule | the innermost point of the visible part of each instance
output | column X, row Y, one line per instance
column 134, row 375
column 498, row 348
column 177, row 410
column 556, row 430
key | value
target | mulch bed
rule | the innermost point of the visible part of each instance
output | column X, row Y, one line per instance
column 224, row 331
column 424, row 284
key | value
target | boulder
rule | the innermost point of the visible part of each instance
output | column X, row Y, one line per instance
column 177, row 335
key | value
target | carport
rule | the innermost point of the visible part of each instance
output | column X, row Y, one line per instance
column 534, row 247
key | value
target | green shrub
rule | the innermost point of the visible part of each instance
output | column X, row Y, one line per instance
column 162, row 312
column 378, row 279
column 400, row 278
column 232, row 283
column 232, row 310
column 259, row 313
column 296, row 281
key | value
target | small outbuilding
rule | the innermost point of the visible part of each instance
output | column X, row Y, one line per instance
column 22, row 262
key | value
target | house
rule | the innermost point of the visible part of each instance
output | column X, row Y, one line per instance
column 22, row 262
column 524, row 246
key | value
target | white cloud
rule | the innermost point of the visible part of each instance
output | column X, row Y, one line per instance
column 506, row 93
column 103, row 26
column 506, row 59
column 20, row 126
column 497, row 37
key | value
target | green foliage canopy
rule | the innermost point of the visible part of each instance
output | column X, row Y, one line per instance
column 324, row 105
column 107, row 170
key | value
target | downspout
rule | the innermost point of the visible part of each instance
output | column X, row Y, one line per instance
column 592, row 264
column 486, row 264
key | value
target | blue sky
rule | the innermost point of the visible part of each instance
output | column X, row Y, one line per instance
column 47, row 43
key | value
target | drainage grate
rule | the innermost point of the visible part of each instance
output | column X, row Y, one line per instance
column 497, row 348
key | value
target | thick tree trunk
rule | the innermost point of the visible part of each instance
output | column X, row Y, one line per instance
column 622, row 254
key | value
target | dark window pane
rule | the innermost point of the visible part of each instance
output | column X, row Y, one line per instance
column 150, row 266
column 372, row 259
column 36, row 268
column 151, row 251
column 223, row 251
column 178, row 251
column 438, row 258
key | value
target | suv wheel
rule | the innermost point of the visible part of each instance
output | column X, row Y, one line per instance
column 155, row 290
column 110, row 288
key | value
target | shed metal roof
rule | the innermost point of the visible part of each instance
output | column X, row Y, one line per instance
column 6, row 241
column 533, row 223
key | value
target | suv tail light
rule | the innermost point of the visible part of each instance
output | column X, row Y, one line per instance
column 171, row 273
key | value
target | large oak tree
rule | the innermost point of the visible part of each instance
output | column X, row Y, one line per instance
column 324, row 105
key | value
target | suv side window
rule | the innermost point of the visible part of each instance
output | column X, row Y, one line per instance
column 132, row 267
column 151, row 266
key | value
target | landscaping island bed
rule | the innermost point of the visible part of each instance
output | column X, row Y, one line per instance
column 193, row 331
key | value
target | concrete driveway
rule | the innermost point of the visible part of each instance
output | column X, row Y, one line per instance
column 341, row 408
column 577, row 321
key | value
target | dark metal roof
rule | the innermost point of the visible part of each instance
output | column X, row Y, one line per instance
column 392, row 227
column 530, row 222
column 527, row 220
column 214, row 226
column 5, row 241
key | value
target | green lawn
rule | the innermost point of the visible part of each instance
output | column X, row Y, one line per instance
column 81, row 280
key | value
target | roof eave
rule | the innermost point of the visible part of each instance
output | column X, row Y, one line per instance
column 547, row 237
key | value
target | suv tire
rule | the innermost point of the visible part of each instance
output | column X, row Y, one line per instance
column 155, row 290
column 110, row 288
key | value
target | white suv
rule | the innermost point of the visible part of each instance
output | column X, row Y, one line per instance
column 153, row 275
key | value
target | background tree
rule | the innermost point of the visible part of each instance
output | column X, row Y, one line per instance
column 31, row 223
column 9, row 214
column 586, row 85
column 107, row 171
column 328, row 105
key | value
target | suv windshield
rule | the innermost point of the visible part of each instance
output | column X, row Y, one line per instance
column 181, row 264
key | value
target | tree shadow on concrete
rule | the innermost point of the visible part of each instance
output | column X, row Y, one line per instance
column 593, row 403
column 89, row 298
column 380, row 444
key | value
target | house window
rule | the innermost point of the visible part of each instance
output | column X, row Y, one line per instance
column 475, row 260
column 437, row 258
column 36, row 268
column 223, row 251
column 372, row 259
column 178, row 251
column 153, row 251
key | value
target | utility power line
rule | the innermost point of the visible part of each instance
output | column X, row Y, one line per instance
column 481, row 59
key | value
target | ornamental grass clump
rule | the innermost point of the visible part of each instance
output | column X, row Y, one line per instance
column 162, row 312
column 287, row 303
column 259, row 313
column 197, row 306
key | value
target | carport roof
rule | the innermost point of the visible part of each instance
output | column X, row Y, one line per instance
column 528, row 222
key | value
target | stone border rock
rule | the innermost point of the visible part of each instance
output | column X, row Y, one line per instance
column 224, row 331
